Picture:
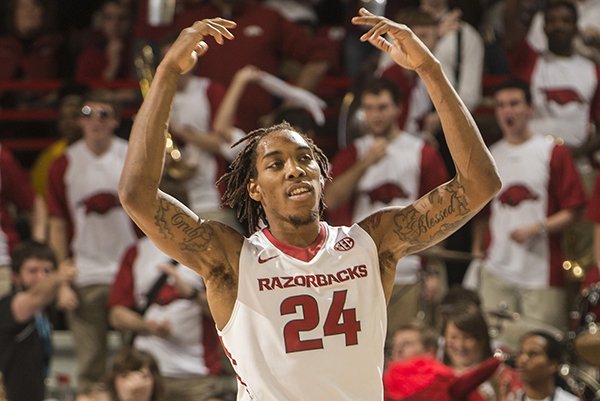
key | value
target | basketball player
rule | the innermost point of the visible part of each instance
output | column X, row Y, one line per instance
column 300, row 305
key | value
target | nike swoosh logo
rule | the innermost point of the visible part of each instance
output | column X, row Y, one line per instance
column 261, row 260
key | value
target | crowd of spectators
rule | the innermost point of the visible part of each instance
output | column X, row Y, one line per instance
column 74, row 250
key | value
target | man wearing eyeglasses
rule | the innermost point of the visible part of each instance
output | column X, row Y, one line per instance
column 87, row 221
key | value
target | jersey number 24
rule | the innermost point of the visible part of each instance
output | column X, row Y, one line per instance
column 338, row 321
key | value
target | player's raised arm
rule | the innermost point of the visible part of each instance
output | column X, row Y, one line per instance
column 173, row 227
column 400, row 231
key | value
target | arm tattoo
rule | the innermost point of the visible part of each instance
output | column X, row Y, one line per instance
column 160, row 218
column 196, row 237
column 448, row 209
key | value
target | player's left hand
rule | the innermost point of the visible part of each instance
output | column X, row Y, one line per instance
column 405, row 48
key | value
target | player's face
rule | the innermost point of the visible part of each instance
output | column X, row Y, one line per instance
column 98, row 121
column 532, row 362
column 512, row 111
column 462, row 348
column 381, row 113
column 406, row 344
column 288, row 181
column 33, row 271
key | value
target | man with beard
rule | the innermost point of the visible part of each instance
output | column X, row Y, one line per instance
column 300, row 305
column 564, row 85
column 385, row 167
column 24, row 328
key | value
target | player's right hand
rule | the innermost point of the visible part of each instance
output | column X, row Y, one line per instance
column 184, row 52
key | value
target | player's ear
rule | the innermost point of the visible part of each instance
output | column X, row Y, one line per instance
column 254, row 190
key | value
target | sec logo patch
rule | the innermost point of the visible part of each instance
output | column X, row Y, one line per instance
column 345, row 244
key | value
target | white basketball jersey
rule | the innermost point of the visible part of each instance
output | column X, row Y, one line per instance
column 310, row 330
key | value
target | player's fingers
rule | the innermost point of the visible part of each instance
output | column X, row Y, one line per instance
column 364, row 12
column 371, row 33
column 225, row 22
column 381, row 44
column 210, row 27
column 218, row 31
column 201, row 48
column 389, row 27
column 365, row 20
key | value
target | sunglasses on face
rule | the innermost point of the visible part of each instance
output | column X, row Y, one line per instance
column 88, row 112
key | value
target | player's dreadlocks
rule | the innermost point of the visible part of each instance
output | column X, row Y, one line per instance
column 243, row 168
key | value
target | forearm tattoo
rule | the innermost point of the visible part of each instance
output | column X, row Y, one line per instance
column 447, row 210
column 196, row 237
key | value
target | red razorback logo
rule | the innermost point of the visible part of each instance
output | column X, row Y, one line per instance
column 261, row 260
column 345, row 244
column 386, row 193
column 100, row 203
column 516, row 194
column 562, row 96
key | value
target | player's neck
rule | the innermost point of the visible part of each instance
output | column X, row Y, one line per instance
column 300, row 236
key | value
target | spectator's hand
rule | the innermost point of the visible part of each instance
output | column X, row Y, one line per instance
column 522, row 235
column 590, row 36
column 183, row 133
column 159, row 329
column 184, row 288
column 67, row 298
column 184, row 52
column 67, row 271
column 169, row 269
column 505, row 387
column 449, row 22
column 376, row 152
column 248, row 73
column 405, row 48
